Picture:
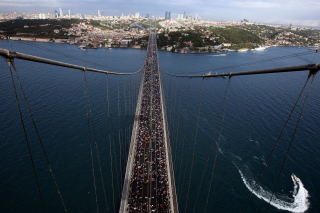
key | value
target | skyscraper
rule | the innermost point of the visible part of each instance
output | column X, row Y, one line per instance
column 184, row 15
column 137, row 15
column 60, row 13
column 180, row 16
column 56, row 14
column 167, row 15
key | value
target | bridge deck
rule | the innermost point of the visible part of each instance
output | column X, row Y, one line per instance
column 149, row 181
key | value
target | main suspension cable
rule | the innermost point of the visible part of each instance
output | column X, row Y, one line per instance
column 12, row 54
column 59, row 53
column 243, row 64
column 300, row 68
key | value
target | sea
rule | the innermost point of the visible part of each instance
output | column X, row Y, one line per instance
column 224, row 132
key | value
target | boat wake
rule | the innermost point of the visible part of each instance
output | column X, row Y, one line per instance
column 219, row 55
column 299, row 201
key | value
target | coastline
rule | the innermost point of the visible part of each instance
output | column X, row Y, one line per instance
column 179, row 51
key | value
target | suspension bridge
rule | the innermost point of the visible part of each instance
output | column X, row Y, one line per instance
column 149, row 181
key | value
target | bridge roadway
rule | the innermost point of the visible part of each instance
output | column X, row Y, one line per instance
column 149, row 184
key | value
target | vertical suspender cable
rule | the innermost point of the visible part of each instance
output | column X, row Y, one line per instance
column 108, row 139
column 211, row 181
column 116, row 167
column 300, row 117
column 85, row 91
column 194, row 144
column 101, row 176
column 118, row 99
column 94, row 180
column 284, row 126
column 181, row 173
column 120, row 154
column 112, row 174
column 49, row 165
column 92, row 131
column 276, row 144
column 117, row 135
column 176, row 137
column 125, row 97
column 186, row 167
column 175, row 128
column 202, row 176
column 35, row 174
column 108, row 99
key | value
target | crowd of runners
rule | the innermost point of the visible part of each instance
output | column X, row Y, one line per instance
column 149, row 186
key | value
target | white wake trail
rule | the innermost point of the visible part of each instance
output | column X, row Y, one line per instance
column 300, row 195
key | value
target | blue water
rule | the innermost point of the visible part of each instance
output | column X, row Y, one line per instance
column 255, row 110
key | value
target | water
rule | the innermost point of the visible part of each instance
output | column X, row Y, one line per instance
column 256, row 108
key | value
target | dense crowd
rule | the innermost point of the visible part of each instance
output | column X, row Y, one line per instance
column 149, row 186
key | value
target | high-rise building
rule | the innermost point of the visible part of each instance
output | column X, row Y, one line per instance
column 167, row 15
column 42, row 16
column 137, row 15
column 69, row 12
column 99, row 13
column 56, row 14
column 180, row 16
column 60, row 13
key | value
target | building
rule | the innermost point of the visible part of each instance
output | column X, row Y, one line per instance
column 137, row 15
column 180, row 16
column 60, row 13
column 167, row 15
column 56, row 14
column 42, row 16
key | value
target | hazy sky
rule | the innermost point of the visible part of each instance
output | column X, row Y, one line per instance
column 304, row 12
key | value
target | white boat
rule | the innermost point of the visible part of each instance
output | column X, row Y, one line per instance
column 243, row 50
column 82, row 47
column 262, row 48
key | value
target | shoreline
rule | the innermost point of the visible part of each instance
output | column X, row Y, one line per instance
column 80, row 46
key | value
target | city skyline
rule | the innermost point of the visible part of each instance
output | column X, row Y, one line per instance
column 264, row 11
